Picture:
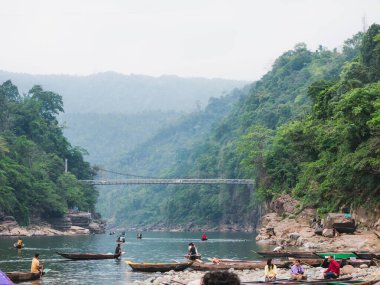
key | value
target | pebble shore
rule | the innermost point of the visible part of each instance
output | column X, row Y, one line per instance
column 192, row 277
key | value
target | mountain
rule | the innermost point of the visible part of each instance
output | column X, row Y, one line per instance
column 111, row 92
column 233, row 146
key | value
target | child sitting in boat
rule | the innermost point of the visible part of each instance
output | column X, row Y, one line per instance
column 297, row 272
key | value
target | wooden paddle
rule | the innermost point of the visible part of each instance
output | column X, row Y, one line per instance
column 42, row 269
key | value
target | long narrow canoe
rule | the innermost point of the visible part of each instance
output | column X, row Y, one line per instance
column 254, row 264
column 158, row 266
column 295, row 254
column 23, row 276
column 365, row 254
column 88, row 256
column 337, row 255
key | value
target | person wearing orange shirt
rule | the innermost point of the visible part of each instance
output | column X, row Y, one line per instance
column 36, row 268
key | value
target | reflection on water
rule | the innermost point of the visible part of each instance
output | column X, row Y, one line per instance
column 154, row 247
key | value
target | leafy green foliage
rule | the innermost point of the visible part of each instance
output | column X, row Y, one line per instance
column 32, row 151
column 335, row 149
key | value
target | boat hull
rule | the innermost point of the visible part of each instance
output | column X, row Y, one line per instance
column 294, row 254
column 22, row 276
column 240, row 265
column 337, row 255
column 88, row 256
column 193, row 257
column 158, row 267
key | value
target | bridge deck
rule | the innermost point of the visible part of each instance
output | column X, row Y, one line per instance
column 169, row 181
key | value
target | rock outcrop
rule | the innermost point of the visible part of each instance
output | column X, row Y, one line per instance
column 298, row 228
column 79, row 223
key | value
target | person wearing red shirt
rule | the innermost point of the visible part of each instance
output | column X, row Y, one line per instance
column 333, row 270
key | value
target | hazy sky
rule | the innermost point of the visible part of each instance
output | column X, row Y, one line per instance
column 237, row 39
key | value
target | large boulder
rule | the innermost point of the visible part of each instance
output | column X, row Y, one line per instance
column 79, row 231
column 328, row 233
column 347, row 269
column 61, row 224
column 367, row 218
column 306, row 216
column 80, row 219
column 339, row 221
column 285, row 204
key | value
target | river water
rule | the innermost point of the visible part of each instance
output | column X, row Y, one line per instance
column 153, row 247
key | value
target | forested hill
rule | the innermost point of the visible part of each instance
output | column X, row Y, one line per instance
column 33, row 184
column 111, row 92
column 243, row 144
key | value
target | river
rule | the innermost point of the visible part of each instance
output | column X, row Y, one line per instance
column 153, row 247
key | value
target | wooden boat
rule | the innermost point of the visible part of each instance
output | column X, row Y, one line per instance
column 337, row 254
column 198, row 256
column 88, row 256
column 294, row 254
column 203, row 239
column 120, row 239
column 240, row 265
column 358, row 262
column 348, row 228
column 158, row 266
column 23, row 276
column 313, row 262
column 365, row 254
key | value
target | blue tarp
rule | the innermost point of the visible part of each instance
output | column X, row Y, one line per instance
column 4, row 280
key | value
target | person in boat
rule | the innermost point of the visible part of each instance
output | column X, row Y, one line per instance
column 204, row 237
column 297, row 272
column 270, row 271
column 19, row 243
column 36, row 266
column 139, row 235
column 193, row 252
column 118, row 249
column 279, row 248
column 333, row 271
column 120, row 239
column 220, row 277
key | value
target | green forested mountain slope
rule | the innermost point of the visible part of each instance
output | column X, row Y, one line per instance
column 235, row 147
column 32, row 152
column 109, row 137
column 330, row 158
column 159, row 156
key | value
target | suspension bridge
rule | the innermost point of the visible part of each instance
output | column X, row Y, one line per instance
column 132, row 181
column 135, row 180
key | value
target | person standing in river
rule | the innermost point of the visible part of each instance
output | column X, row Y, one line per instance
column 193, row 252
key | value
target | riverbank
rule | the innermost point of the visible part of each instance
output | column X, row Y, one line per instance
column 192, row 277
column 81, row 223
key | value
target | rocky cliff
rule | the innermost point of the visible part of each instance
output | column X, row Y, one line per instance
column 71, row 224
